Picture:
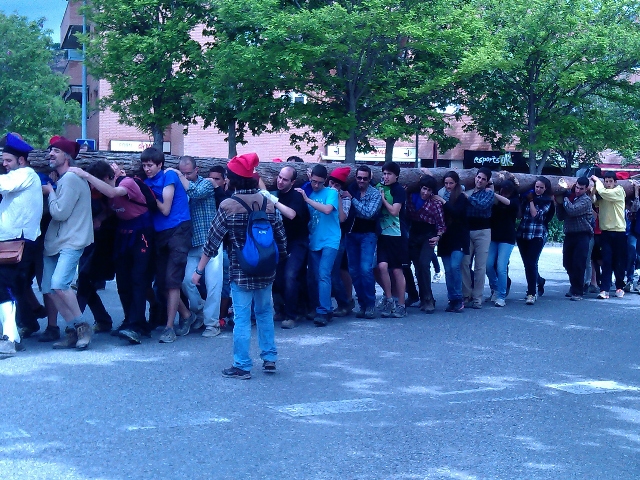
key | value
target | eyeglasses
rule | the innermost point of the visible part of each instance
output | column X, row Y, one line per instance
column 362, row 179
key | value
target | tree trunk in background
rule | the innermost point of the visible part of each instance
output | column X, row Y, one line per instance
column 389, row 144
column 158, row 137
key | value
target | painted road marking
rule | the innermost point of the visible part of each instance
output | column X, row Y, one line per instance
column 592, row 386
column 7, row 432
column 190, row 422
column 328, row 408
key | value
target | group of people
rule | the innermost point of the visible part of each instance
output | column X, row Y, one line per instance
column 173, row 238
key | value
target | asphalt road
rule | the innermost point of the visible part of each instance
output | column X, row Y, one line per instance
column 550, row 391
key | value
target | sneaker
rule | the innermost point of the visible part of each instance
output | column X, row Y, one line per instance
column 428, row 306
column 568, row 294
column 289, row 323
column 399, row 312
column 619, row 293
column 26, row 332
column 603, row 295
column 168, row 335
column 341, row 312
column 437, row 277
column 360, row 313
column 477, row 304
column 199, row 321
column 321, row 320
column 69, row 341
column 370, row 312
column 184, row 326
column 211, row 331
column 131, row 336
column 386, row 309
column 50, row 334
column 99, row 327
column 7, row 347
column 234, row 372
column 541, row 286
column 499, row 302
column 576, row 298
column 268, row 366
column 83, row 332
column 531, row 299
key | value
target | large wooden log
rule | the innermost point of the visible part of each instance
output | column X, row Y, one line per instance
column 268, row 171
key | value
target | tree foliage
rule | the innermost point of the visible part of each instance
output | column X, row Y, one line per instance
column 562, row 65
column 144, row 49
column 31, row 100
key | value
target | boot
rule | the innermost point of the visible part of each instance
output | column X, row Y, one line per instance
column 51, row 334
column 83, row 332
column 69, row 341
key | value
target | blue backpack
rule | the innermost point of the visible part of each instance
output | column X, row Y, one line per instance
column 259, row 255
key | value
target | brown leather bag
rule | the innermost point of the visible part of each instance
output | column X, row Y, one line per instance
column 11, row 252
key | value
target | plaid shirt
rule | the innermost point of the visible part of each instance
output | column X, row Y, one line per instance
column 534, row 227
column 430, row 212
column 202, row 206
column 480, row 204
column 232, row 218
column 577, row 214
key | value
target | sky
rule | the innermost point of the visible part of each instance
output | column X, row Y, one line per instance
column 52, row 10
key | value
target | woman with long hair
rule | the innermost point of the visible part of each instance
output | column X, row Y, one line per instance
column 454, row 244
column 537, row 211
column 503, row 238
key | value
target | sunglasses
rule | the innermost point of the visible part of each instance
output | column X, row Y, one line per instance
column 362, row 179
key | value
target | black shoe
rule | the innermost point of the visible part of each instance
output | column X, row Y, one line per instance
column 234, row 372
column 321, row 320
column 102, row 327
column 541, row 286
column 132, row 336
column 269, row 366
column 508, row 286
column 51, row 334
column 26, row 332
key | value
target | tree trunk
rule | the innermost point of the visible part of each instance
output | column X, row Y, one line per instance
column 350, row 147
column 158, row 137
column 388, row 153
column 231, row 137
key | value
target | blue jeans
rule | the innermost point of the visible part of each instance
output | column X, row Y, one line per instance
column 453, row 275
column 361, row 253
column 263, row 308
column 320, row 266
column 497, row 264
column 337, row 285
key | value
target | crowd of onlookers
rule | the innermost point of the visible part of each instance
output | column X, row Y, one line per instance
column 176, row 239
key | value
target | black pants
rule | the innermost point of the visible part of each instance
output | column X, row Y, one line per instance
column 87, row 293
column 614, row 256
column 133, row 278
column 15, row 280
column 574, row 259
column 530, row 250
column 420, row 253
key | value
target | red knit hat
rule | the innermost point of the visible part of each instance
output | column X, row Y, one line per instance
column 243, row 165
column 67, row 146
column 340, row 174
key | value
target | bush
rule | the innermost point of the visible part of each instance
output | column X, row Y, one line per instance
column 556, row 231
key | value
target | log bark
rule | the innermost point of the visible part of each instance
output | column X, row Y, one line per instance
column 268, row 171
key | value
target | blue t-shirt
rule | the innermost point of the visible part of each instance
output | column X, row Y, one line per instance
column 179, row 207
column 324, row 230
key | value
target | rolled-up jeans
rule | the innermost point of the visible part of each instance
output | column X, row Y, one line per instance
column 263, row 308
column 497, row 265
column 210, row 307
column 320, row 265
column 361, row 253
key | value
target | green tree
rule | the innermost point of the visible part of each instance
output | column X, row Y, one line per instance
column 361, row 64
column 144, row 49
column 560, row 62
column 31, row 100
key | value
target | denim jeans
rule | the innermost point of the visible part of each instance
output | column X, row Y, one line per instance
column 453, row 275
column 497, row 264
column 575, row 252
column 632, row 242
column 320, row 266
column 361, row 253
column 289, row 276
column 210, row 307
column 338, row 290
column 263, row 308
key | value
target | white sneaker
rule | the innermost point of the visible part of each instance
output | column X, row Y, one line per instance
column 531, row 299
column 211, row 331
column 499, row 302
column 437, row 277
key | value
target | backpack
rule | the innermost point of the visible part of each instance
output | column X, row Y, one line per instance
column 149, row 196
column 259, row 255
